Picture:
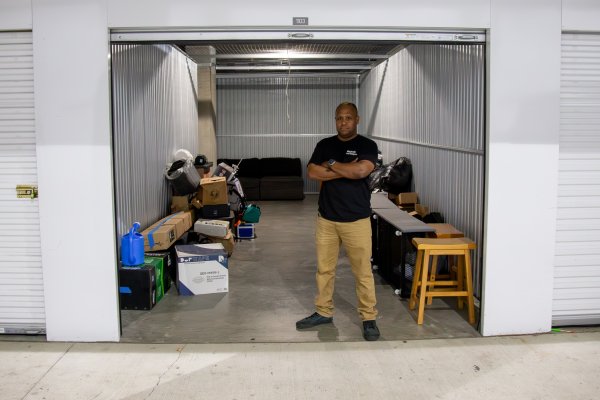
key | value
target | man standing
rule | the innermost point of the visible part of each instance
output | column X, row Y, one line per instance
column 342, row 163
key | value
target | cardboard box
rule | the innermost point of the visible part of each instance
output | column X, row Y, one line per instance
column 163, row 233
column 178, row 223
column 190, row 217
column 212, row 227
column 168, row 267
column 159, row 237
column 159, row 274
column 230, row 218
column 196, row 202
column 214, row 190
column 227, row 242
column 180, row 203
column 409, row 208
column 421, row 209
column 202, row 269
column 137, row 288
column 416, row 210
column 404, row 198
column 181, row 220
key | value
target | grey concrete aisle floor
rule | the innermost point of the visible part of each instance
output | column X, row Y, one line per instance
column 551, row 366
column 243, row 344
column 272, row 285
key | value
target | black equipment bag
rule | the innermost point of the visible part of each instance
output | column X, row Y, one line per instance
column 395, row 177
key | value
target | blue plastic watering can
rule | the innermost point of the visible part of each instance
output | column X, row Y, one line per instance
column 132, row 246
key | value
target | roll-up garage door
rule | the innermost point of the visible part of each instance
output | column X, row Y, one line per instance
column 577, row 261
column 21, row 289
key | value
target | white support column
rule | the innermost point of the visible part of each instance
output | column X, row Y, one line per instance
column 522, row 165
column 71, row 67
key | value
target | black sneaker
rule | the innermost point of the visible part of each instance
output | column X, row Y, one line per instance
column 370, row 330
column 313, row 320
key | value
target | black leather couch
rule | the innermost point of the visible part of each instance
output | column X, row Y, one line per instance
column 270, row 178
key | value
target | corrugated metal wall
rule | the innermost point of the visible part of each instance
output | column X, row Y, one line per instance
column 22, row 308
column 427, row 103
column 278, row 116
column 154, row 114
column 576, row 297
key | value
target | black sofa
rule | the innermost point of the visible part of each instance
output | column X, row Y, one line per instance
column 270, row 178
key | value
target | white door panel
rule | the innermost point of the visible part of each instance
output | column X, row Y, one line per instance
column 21, row 285
column 576, row 298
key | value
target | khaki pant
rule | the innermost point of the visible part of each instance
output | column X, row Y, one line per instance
column 356, row 239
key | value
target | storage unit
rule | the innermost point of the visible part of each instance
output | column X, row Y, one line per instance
column 576, row 298
column 521, row 124
column 262, row 112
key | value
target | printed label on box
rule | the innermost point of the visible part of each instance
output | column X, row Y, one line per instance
column 202, row 269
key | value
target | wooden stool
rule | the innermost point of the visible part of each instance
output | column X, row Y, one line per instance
column 425, row 288
column 443, row 231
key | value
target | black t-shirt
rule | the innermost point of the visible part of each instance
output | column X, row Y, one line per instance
column 343, row 199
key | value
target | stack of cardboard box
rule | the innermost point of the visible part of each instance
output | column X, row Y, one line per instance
column 211, row 204
column 214, row 197
column 142, row 286
column 199, row 268
column 217, row 231
column 409, row 202
column 210, row 201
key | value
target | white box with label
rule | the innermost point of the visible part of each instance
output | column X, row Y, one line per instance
column 202, row 269
column 211, row 227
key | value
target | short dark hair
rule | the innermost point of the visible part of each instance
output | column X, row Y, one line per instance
column 346, row 104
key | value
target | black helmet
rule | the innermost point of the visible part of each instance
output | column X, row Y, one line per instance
column 200, row 160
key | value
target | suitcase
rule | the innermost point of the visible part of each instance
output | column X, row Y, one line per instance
column 215, row 211
column 245, row 231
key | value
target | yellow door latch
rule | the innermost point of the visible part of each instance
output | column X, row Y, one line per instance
column 27, row 192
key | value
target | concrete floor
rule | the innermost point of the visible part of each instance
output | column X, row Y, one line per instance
column 271, row 286
column 551, row 366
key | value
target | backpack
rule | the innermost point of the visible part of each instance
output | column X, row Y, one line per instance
column 251, row 214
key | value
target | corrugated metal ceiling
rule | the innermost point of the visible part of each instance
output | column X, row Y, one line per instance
column 302, row 50
column 304, row 56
